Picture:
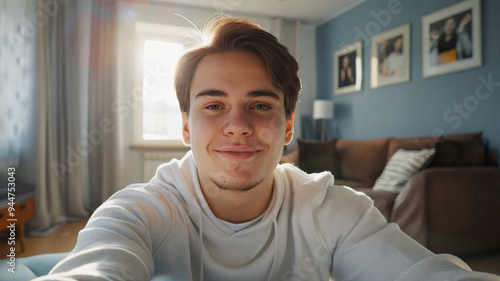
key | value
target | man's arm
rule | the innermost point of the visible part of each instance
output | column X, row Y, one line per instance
column 374, row 250
column 464, row 44
column 433, row 48
column 118, row 241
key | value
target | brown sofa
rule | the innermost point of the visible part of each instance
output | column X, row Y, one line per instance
column 452, row 205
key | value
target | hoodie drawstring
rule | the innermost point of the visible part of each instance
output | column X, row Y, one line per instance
column 201, row 245
column 275, row 224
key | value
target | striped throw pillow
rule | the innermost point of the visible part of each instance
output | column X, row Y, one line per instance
column 401, row 167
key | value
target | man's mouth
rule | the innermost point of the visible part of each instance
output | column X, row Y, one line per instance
column 238, row 153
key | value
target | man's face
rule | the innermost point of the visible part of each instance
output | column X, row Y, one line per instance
column 398, row 44
column 236, row 124
column 449, row 26
column 345, row 62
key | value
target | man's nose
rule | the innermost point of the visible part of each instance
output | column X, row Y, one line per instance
column 238, row 123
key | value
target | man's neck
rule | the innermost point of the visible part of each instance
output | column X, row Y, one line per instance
column 237, row 206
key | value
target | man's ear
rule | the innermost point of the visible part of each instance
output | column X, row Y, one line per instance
column 289, row 129
column 185, row 129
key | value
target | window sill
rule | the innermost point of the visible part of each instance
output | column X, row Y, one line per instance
column 160, row 147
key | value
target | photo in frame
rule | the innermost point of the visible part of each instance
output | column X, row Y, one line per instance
column 348, row 69
column 390, row 57
column 451, row 39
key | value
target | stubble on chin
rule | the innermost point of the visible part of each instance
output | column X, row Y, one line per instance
column 224, row 181
column 225, row 184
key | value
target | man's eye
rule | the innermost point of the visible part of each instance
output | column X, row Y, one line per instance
column 213, row 107
column 262, row 107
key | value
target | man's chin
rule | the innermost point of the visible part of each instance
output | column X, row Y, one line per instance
column 236, row 186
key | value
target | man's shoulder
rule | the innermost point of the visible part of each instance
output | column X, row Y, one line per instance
column 140, row 196
column 296, row 178
column 324, row 211
column 319, row 190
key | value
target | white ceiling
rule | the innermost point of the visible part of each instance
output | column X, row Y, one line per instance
column 309, row 11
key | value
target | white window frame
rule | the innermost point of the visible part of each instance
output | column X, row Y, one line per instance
column 151, row 31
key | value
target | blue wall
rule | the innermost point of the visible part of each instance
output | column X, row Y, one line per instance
column 417, row 107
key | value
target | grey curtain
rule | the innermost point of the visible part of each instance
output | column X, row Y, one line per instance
column 106, row 158
column 78, row 155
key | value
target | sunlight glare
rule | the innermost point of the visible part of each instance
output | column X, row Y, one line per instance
column 161, row 113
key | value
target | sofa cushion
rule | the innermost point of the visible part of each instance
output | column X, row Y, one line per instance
column 459, row 154
column 317, row 156
column 490, row 156
column 361, row 160
column 401, row 167
column 428, row 142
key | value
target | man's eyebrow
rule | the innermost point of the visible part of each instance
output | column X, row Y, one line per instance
column 252, row 94
column 264, row 93
column 211, row 93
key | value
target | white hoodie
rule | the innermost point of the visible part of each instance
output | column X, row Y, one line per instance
column 312, row 230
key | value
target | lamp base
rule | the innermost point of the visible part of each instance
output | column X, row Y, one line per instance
column 324, row 131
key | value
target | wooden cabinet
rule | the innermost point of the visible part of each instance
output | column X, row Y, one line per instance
column 23, row 211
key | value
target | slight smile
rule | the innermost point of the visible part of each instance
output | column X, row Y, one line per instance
column 238, row 154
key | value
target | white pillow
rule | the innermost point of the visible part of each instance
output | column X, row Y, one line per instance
column 401, row 167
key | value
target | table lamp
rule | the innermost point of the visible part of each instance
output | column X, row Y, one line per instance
column 323, row 109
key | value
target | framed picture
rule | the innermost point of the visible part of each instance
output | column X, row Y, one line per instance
column 348, row 71
column 451, row 39
column 390, row 59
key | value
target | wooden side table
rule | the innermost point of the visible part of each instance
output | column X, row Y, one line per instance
column 24, row 210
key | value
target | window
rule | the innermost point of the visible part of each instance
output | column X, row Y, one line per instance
column 161, row 118
column 157, row 113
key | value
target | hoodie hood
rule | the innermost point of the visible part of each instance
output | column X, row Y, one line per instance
column 178, row 176
column 255, row 245
column 234, row 254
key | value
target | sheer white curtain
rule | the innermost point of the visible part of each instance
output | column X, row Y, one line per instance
column 78, row 158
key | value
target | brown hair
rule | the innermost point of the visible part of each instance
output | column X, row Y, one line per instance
column 234, row 34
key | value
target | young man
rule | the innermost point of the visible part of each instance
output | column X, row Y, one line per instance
column 227, row 210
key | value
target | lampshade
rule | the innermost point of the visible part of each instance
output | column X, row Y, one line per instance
column 323, row 109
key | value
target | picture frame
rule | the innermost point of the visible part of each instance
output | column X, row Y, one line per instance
column 451, row 39
column 348, row 69
column 390, row 57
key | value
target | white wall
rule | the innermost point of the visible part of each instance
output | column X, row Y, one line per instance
column 18, row 91
column 306, row 55
column 300, row 39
